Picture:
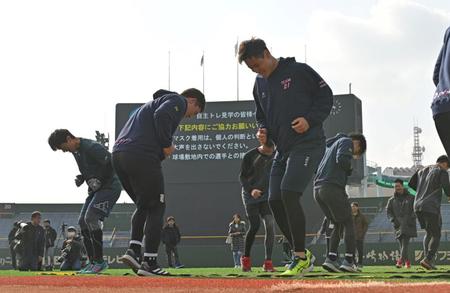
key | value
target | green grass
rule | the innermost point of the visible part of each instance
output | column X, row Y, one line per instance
column 389, row 273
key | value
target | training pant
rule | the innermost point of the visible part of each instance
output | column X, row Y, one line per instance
column 97, row 207
column 143, row 180
column 360, row 251
column 256, row 213
column 432, row 223
column 442, row 123
column 334, row 203
column 291, row 172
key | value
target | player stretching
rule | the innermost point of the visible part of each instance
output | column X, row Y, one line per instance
column 292, row 101
column 329, row 193
column 429, row 183
column 94, row 162
column 254, row 178
column 145, row 141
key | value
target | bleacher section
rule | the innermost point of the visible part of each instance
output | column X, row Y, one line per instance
column 116, row 228
column 116, row 222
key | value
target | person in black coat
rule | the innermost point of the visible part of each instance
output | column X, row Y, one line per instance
column 171, row 237
column 11, row 243
column 50, row 238
column 30, row 241
column 400, row 211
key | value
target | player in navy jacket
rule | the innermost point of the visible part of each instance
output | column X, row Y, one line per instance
column 292, row 101
column 143, row 143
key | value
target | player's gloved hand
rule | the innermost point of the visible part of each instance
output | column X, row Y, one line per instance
column 79, row 180
column 94, row 184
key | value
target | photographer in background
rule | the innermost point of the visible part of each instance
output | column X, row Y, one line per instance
column 49, row 252
column 29, row 243
column 71, row 251
column 11, row 243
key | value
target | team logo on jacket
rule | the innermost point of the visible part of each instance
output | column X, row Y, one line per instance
column 103, row 206
column 286, row 83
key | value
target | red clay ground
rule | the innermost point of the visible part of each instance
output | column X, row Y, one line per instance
column 110, row 284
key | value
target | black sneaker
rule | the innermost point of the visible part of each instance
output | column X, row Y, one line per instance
column 132, row 260
column 151, row 271
column 427, row 264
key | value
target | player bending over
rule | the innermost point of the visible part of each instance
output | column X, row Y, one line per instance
column 429, row 183
column 145, row 141
column 254, row 178
column 94, row 163
column 329, row 193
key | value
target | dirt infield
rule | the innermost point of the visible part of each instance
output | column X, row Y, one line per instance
column 137, row 284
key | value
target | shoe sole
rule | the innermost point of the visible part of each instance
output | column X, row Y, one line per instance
column 426, row 266
column 131, row 262
column 144, row 273
column 348, row 269
column 331, row 268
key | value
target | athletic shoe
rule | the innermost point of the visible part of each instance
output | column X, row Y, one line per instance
column 151, row 271
column 428, row 265
column 98, row 267
column 87, row 267
column 268, row 266
column 180, row 266
column 131, row 259
column 348, row 267
column 399, row 263
column 331, row 266
column 407, row 264
column 246, row 264
column 300, row 266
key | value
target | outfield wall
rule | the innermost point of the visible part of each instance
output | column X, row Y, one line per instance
column 220, row 255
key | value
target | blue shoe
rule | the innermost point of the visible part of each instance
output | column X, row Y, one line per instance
column 87, row 267
column 98, row 268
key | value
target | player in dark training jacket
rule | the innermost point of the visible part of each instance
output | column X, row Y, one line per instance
column 330, row 195
column 292, row 101
column 254, row 178
column 429, row 182
column 94, row 162
column 145, row 141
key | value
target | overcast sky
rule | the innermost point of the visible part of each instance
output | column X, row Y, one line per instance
column 65, row 64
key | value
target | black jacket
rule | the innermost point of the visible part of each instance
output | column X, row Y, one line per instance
column 400, row 211
column 293, row 90
column 255, row 174
column 151, row 128
column 94, row 161
column 11, row 235
column 171, row 235
column 32, row 239
column 429, row 183
column 50, row 237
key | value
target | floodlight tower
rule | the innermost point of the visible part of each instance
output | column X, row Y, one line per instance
column 418, row 150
